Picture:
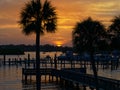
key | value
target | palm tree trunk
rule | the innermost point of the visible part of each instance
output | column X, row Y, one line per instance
column 94, row 69
column 95, row 72
column 92, row 60
column 38, row 75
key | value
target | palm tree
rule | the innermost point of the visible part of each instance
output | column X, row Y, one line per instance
column 114, row 32
column 114, row 28
column 38, row 18
column 86, row 35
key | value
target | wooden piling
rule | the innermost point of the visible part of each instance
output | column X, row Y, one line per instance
column 55, row 61
column 28, row 60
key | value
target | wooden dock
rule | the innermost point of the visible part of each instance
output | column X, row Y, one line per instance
column 74, row 77
column 89, row 80
column 43, row 71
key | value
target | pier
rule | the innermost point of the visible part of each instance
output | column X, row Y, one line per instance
column 72, row 73
column 75, row 78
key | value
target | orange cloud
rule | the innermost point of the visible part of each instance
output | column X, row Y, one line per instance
column 69, row 12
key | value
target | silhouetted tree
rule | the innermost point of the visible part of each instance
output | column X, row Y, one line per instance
column 86, row 35
column 115, row 43
column 103, row 45
column 114, row 33
column 38, row 18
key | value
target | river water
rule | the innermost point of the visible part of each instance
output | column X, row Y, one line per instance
column 11, row 76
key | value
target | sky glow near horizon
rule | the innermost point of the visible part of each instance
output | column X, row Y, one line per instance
column 69, row 13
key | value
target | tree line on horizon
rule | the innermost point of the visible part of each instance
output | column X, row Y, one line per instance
column 29, row 48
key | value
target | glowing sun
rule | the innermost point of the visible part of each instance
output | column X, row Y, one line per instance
column 58, row 43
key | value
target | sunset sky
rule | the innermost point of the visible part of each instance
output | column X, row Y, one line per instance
column 69, row 13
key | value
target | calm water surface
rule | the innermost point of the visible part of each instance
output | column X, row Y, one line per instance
column 11, row 77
